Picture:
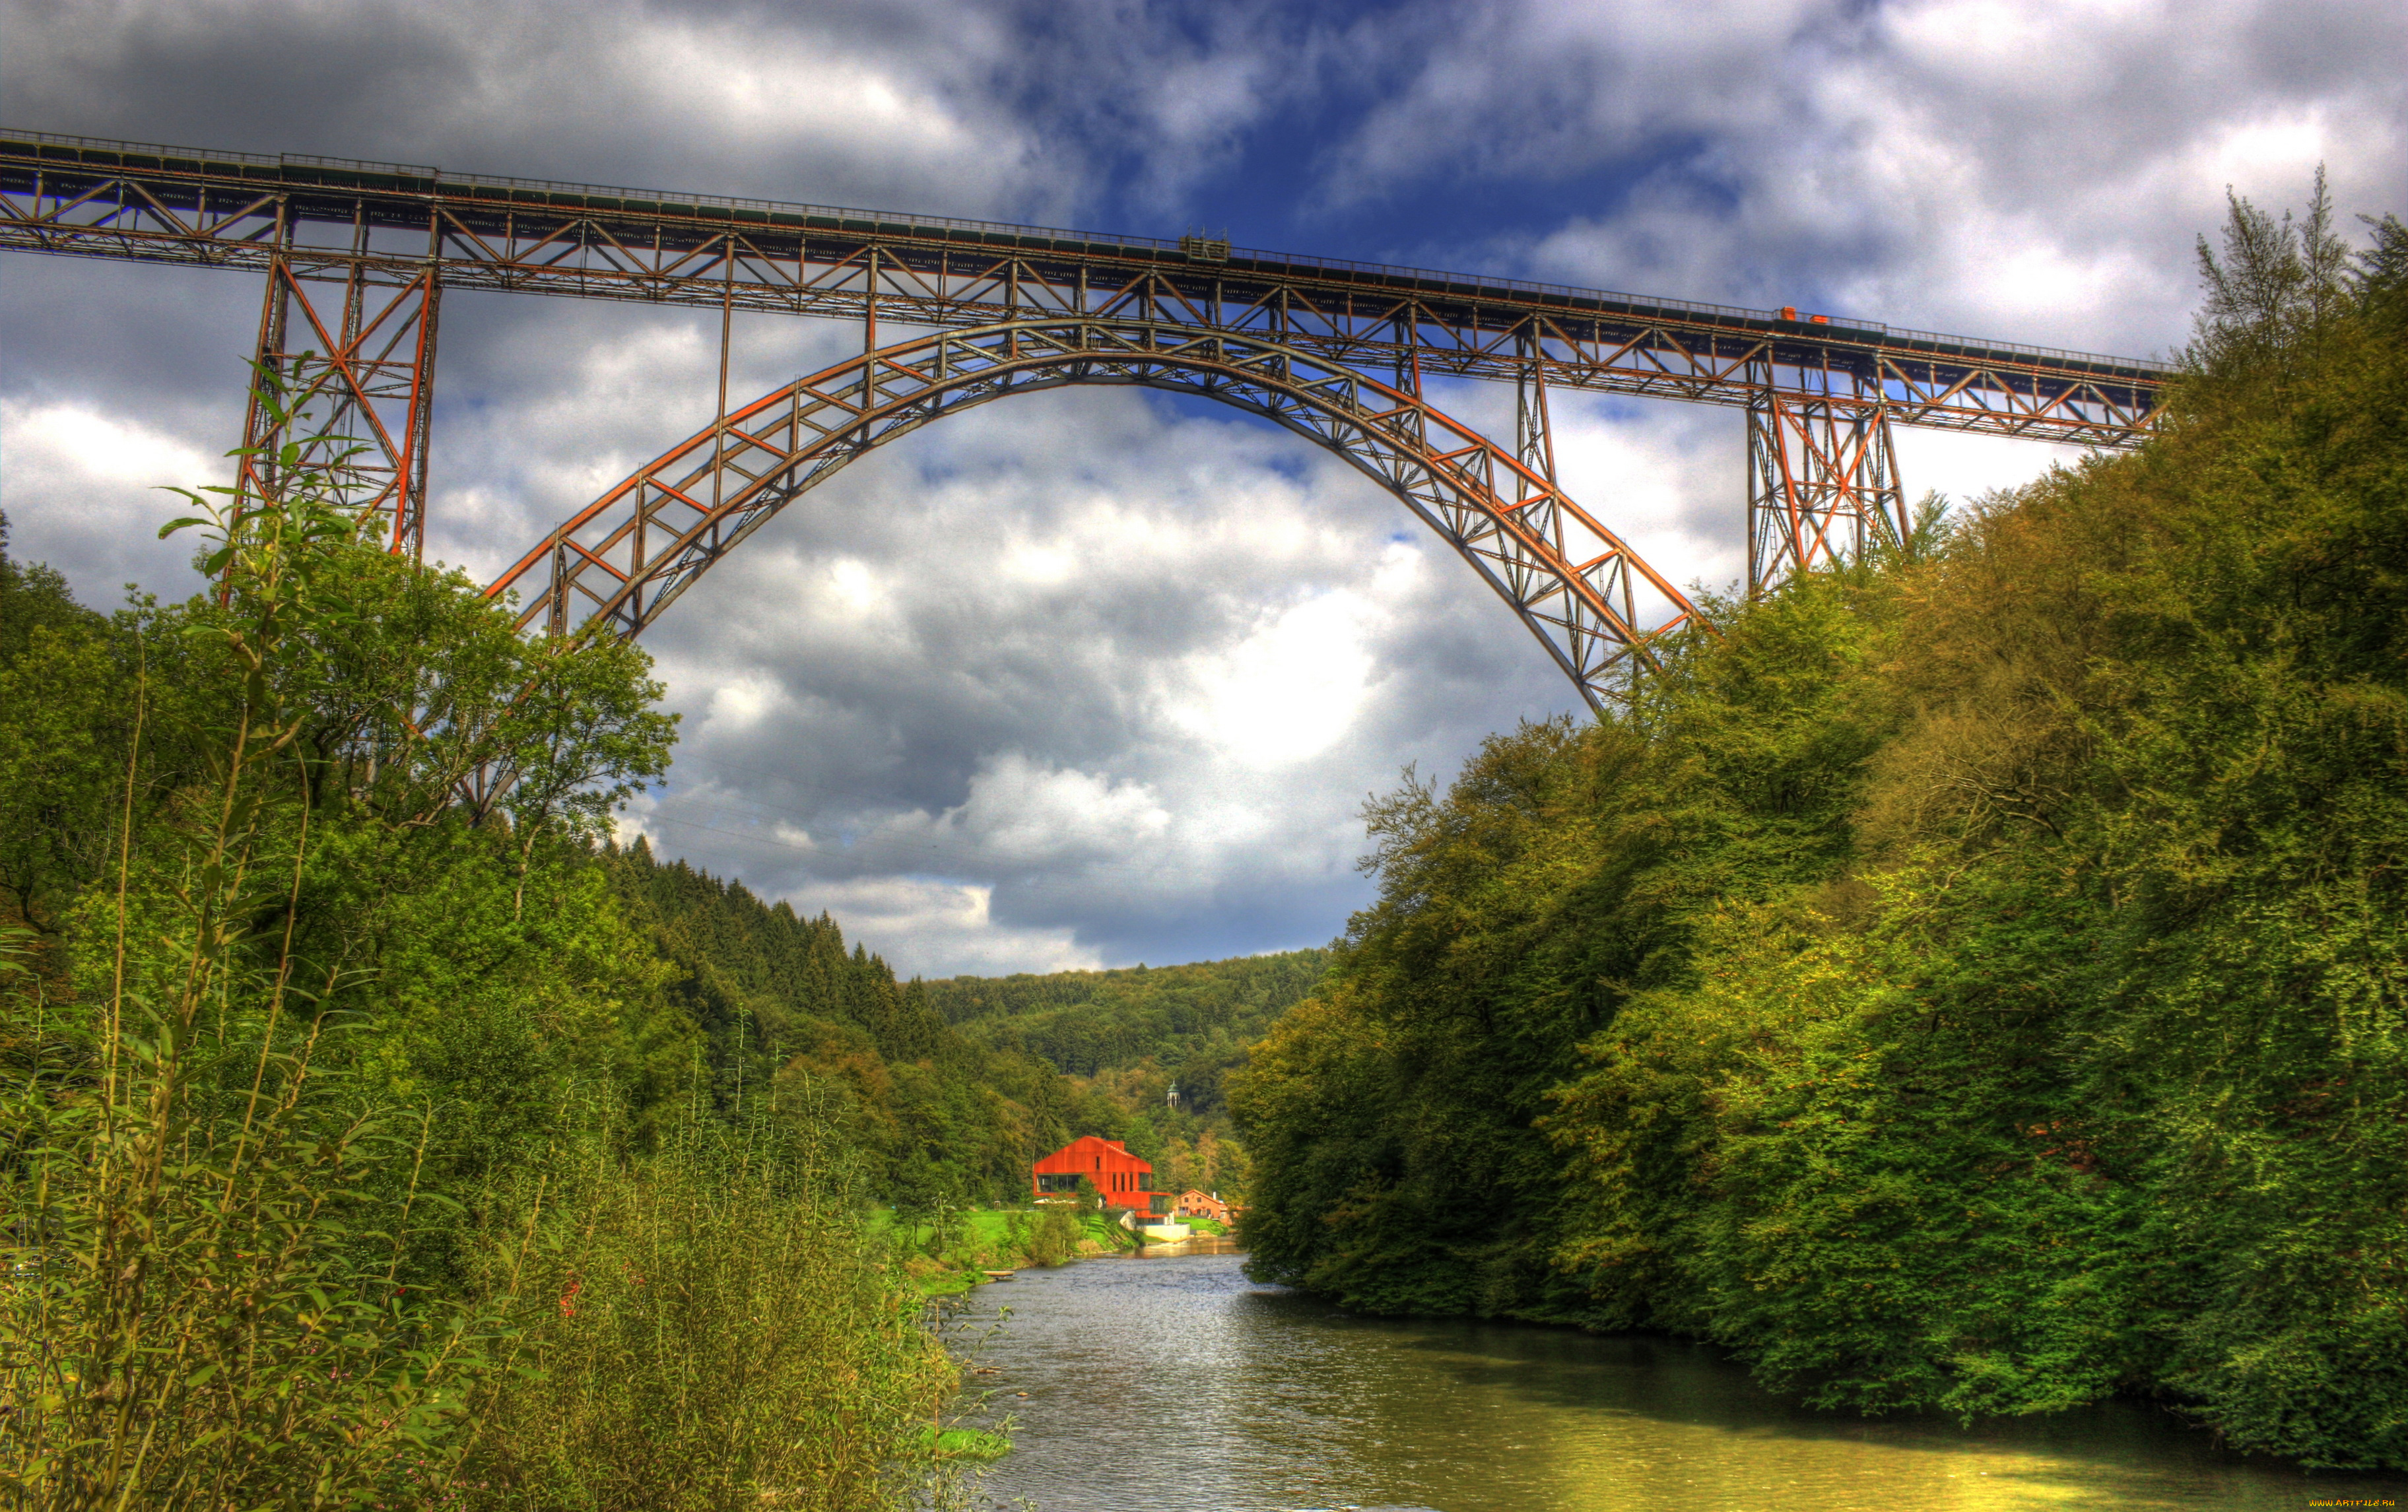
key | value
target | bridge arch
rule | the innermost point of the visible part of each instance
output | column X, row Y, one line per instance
column 622, row 560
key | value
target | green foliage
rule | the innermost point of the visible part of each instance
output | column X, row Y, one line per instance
column 950, row 1090
column 707, row 1329
column 205, row 1234
column 936, row 1119
column 333, row 1054
column 1052, row 1237
column 1391, row 1125
column 1194, row 1020
column 968, row 1443
column 58, row 670
column 1974, row 981
column 1124, row 1039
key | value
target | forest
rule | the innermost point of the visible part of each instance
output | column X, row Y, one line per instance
column 946, row 1090
column 1973, row 979
column 1193, row 1022
column 374, row 1130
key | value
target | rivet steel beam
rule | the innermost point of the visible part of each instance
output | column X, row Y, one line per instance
column 1822, row 486
column 625, row 559
column 83, row 196
column 366, row 376
column 1821, row 395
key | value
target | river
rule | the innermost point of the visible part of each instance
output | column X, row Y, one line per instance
column 1173, row 1384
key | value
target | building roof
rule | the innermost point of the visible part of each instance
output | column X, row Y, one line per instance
column 1097, row 1145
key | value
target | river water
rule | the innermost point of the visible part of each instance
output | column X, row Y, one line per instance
column 1171, row 1383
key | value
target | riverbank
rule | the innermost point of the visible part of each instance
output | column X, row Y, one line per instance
column 948, row 1259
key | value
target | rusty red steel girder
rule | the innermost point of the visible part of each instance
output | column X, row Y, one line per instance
column 365, row 369
column 626, row 557
column 1822, row 394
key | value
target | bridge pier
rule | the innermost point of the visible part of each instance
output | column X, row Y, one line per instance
column 1822, row 484
column 365, row 379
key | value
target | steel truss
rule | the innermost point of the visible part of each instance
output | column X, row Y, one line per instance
column 1822, row 485
column 336, row 220
column 365, row 379
column 1821, row 396
column 626, row 557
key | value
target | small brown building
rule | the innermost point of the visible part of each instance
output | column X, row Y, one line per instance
column 1195, row 1203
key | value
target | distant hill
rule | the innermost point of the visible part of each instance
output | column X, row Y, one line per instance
column 780, row 999
column 1193, row 1020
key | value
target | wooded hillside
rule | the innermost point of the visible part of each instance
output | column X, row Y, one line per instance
column 1976, row 978
column 934, row 1116
column 1193, row 1020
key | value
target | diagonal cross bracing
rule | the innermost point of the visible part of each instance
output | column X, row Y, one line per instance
column 1335, row 350
column 620, row 561
column 82, row 196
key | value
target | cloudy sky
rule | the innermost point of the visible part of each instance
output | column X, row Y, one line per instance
column 1096, row 677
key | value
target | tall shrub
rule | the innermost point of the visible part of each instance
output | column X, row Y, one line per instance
column 203, row 1228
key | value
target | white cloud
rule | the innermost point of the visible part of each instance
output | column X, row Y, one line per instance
column 1022, row 812
column 893, row 103
column 1293, row 686
column 84, row 489
column 742, row 702
column 1096, row 676
column 1129, row 670
column 1962, row 468
column 2035, row 173
column 914, row 921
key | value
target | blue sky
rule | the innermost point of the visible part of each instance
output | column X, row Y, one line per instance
column 1097, row 678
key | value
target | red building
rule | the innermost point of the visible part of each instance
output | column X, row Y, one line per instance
column 1124, row 1180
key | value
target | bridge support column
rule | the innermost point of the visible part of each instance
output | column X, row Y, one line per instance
column 1822, row 485
column 1538, row 508
column 1534, row 447
column 365, row 380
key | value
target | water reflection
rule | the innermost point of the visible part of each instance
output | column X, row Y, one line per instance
column 1174, row 1383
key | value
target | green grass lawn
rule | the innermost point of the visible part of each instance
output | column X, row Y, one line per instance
column 977, row 1239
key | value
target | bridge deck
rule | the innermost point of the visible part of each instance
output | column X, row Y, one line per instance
column 332, row 217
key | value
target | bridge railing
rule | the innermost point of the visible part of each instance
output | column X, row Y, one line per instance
column 665, row 202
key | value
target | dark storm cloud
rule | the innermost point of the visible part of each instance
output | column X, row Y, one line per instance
column 888, row 104
column 965, row 107
column 1101, row 677
column 140, row 371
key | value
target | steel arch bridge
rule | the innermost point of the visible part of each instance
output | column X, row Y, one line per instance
column 624, row 558
column 1334, row 351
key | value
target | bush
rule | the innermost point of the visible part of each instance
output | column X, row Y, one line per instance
column 324, row 961
column 204, row 1230
column 701, row 1327
column 1052, row 1235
